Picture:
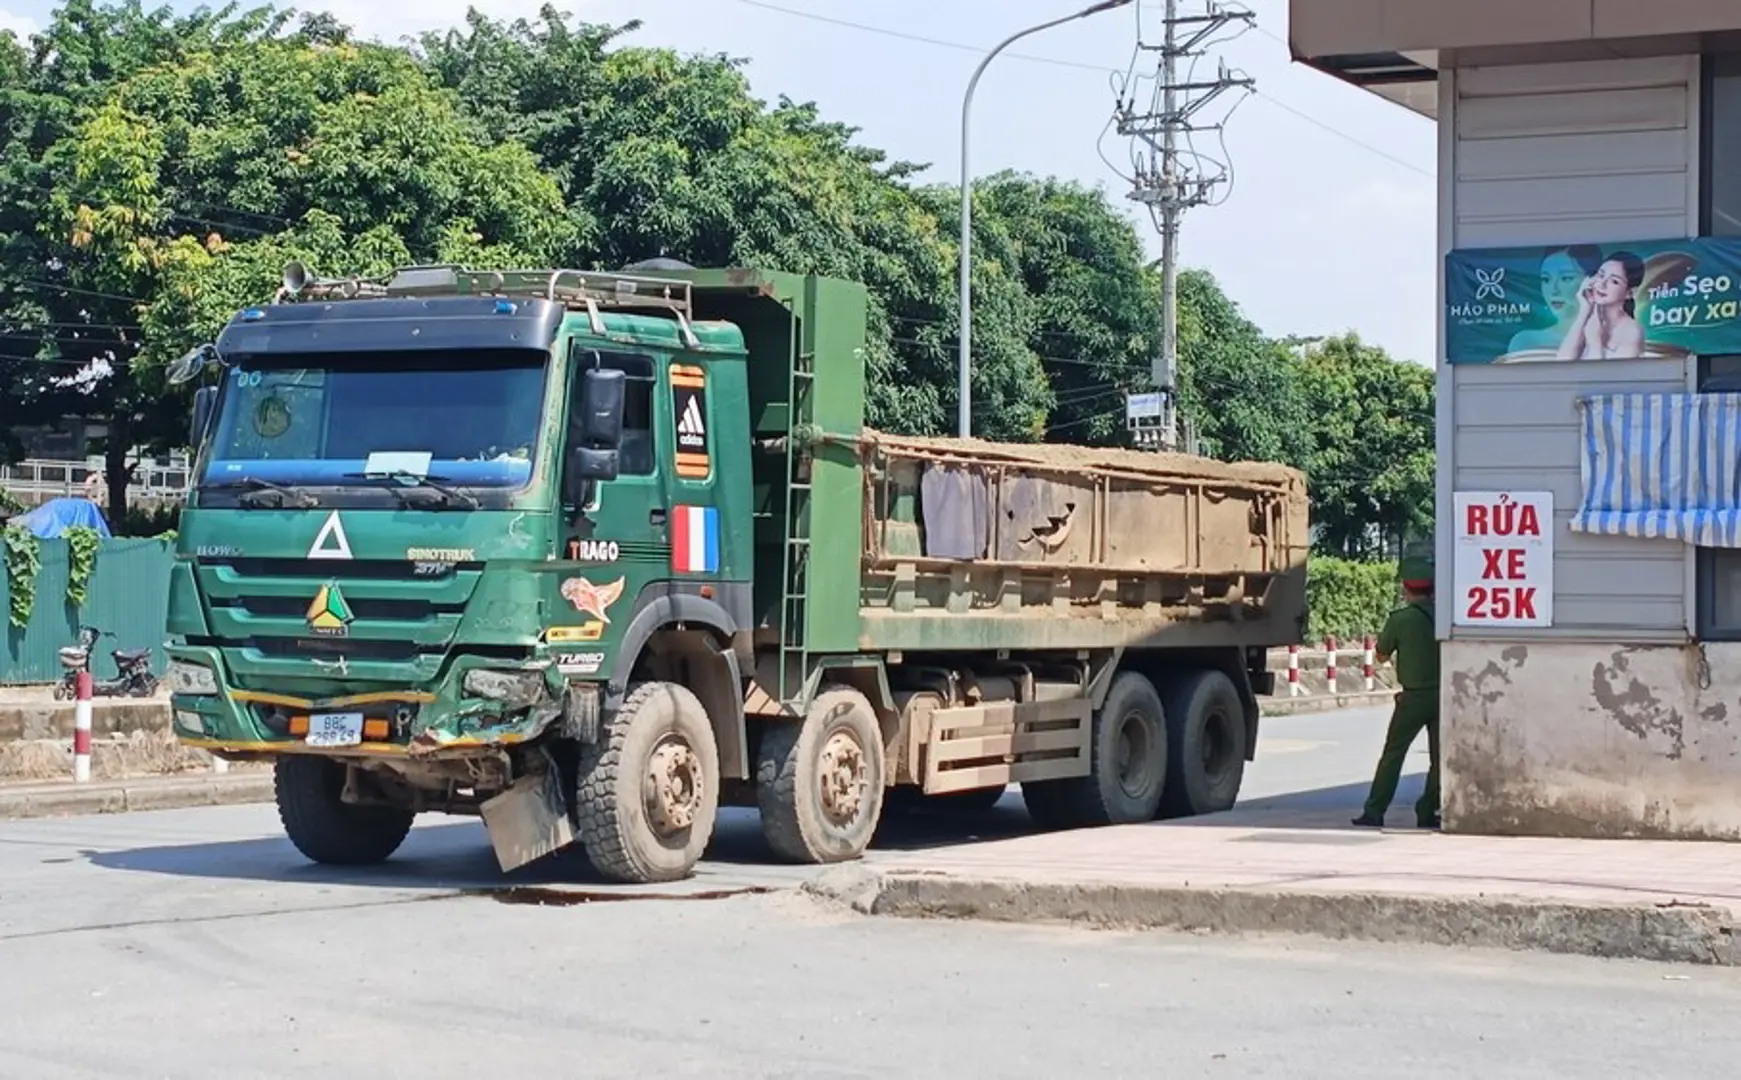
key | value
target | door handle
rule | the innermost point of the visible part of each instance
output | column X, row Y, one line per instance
column 656, row 517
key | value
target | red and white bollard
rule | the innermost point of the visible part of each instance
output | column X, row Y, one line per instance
column 1367, row 665
column 1330, row 662
column 1294, row 687
column 82, row 730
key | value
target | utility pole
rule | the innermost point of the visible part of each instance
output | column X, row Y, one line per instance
column 1170, row 182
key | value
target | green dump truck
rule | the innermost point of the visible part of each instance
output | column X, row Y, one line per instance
column 592, row 554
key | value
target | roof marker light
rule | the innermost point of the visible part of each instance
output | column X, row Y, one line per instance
column 506, row 307
column 253, row 314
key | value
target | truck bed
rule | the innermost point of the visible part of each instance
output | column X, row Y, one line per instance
column 978, row 545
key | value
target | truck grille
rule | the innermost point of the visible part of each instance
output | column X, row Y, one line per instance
column 401, row 622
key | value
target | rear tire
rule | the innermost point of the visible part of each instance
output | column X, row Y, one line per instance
column 1127, row 753
column 1206, row 744
column 820, row 783
column 324, row 827
column 647, row 795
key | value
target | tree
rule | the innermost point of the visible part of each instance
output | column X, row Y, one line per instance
column 662, row 155
column 63, row 348
column 1241, row 392
column 1371, row 471
column 174, row 198
column 1093, row 316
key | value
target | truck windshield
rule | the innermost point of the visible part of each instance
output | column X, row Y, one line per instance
column 470, row 418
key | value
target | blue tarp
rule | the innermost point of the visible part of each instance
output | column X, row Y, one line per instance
column 56, row 516
column 1662, row 465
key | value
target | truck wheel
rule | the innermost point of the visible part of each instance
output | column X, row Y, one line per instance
column 1206, row 744
column 324, row 827
column 1127, row 755
column 820, row 783
column 648, row 789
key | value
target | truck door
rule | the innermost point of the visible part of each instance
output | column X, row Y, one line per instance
column 617, row 546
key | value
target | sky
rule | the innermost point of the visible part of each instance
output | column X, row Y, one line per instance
column 1328, row 226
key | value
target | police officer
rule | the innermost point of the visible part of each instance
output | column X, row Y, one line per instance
column 1409, row 635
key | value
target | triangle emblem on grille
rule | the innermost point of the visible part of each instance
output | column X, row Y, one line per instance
column 331, row 542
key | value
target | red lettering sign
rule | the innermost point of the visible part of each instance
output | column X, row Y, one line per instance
column 1503, row 518
column 1501, row 602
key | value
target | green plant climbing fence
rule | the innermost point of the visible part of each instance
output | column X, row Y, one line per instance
column 126, row 592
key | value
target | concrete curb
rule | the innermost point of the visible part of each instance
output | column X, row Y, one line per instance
column 1678, row 934
column 146, row 793
column 1316, row 703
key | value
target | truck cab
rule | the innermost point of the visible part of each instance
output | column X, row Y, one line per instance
column 430, row 514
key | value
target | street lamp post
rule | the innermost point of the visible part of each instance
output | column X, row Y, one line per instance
column 965, row 416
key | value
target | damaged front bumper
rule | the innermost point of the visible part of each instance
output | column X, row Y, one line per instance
column 481, row 705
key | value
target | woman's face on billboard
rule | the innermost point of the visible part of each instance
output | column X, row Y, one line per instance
column 1609, row 286
column 1561, row 279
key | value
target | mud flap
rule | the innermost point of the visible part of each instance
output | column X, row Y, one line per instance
column 529, row 820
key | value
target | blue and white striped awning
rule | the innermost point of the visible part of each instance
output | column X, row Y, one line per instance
column 1662, row 465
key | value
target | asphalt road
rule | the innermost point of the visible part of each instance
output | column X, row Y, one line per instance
column 197, row 943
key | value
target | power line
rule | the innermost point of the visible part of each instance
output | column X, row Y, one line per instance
column 1073, row 64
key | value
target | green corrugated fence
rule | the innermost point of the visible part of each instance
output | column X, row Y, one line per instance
column 128, row 596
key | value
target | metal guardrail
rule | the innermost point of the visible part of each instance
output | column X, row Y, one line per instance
column 36, row 480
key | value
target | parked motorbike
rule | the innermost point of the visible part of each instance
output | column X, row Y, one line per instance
column 133, row 676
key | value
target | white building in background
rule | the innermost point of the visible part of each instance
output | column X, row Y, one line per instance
column 1593, row 672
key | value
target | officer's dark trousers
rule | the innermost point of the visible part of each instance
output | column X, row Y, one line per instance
column 1415, row 709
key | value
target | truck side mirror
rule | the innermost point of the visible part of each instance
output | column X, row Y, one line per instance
column 603, row 392
column 203, row 400
column 594, row 434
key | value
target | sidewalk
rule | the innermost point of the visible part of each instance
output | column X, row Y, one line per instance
column 65, row 798
column 1275, row 869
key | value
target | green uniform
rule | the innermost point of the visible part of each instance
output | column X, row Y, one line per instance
column 1409, row 636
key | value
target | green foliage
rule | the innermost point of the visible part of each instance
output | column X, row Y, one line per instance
column 1242, row 392
column 148, row 521
column 1372, row 464
column 1348, row 598
column 82, row 542
column 23, row 562
column 9, row 504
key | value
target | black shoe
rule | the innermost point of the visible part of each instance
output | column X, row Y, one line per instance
column 1367, row 821
column 1428, row 822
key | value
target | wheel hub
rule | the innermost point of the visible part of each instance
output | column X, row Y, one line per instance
column 672, row 787
column 841, row 775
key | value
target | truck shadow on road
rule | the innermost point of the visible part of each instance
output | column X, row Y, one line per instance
column 456, row 856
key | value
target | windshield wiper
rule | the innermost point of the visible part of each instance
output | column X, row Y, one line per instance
column 254, row 497
column 404, row 482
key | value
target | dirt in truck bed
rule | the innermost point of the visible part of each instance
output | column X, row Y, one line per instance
column 1063, row 455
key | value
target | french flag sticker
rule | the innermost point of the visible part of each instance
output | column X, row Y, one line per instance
column 695, row 540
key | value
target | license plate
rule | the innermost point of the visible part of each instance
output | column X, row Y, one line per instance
column 335, row 729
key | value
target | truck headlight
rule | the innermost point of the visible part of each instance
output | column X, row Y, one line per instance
column 185, row 678
column 515, row 689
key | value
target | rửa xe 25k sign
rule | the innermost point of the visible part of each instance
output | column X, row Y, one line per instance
column 1503, row 565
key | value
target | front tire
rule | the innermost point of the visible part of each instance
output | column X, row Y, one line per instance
column 324, row 827
column 648, row 790
column 1206, row 738
column 820, row 783
column 1128, row 764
